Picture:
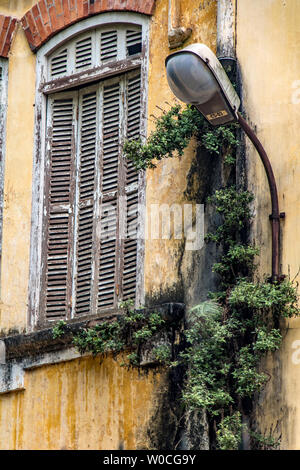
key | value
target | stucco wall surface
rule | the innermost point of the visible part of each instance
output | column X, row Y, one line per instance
column 269, row 58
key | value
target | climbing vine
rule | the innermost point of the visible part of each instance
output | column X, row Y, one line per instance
column 173, row 132
column 128, row 332
column 227, row 335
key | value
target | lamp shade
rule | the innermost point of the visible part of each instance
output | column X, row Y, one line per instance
column 190, row 79
column 197, row 77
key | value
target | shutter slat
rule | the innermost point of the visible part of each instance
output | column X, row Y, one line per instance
column 130, row 247
column 109, row 46
column 111, row 129
column 133, row 42
column 133, row 121
column 107, row 262
column 57, row 270
column 58, row 63
column 83, row 53
column 88, row 143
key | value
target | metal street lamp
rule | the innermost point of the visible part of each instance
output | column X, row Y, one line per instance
column 196, row 77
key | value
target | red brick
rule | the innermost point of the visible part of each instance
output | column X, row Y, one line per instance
column 73, row 4
column 2, row 42
column 98, row 6
column 85, row 8
column 80, row 8
column 139, row 6
column 35, row 11
column 6, row 23
column 53, row 15
column 3, row 34
column 53, row 18
column 9, row 37
column 2, row 18
column 120, row 5
column 59, row 14
column 58, row 7
column 91, row 8
column 44, row 14
column 149, row 7
column 23, row 21
column 67, row 18
column 104, row 5
column 131, row 5
column 73, row 10
column 45, row 19
column 30, row 38
column 50, row 3
column 31, row 23
column 41, row 29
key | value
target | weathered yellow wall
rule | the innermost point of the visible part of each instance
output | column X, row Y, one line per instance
column 167, row 183
column 83, row 404
column 16, row 8
column 18, row 178
column 269, row 56
column 79, row 404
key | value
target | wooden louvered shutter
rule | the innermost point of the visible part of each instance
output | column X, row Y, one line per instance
column 83, row 53
column 59, row 207
column 133, row 124
column 109, row 182
column 109, row 45
column 59, row 63
column 91, row 199
column 133, row 42
column 86, row 210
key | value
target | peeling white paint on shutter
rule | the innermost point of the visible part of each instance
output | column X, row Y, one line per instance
column 87, row 259
column 77, row 61
column 108, row 252
column 58, row 64
column 130, row 247
column 109, row 185
column 85, row 214
column 100, row 46
column 133, row 41
column 133, row 124
column 110, row 134
column 133, row 119
column 83, row 53
column 109, row 45
column 59, row 211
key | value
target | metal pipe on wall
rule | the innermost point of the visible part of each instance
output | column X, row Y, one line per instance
column 275, row 215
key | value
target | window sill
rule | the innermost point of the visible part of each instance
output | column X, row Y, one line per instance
column 23, row 352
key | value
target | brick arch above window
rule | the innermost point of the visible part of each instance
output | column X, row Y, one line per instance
column 7, row 28
column 47, row 17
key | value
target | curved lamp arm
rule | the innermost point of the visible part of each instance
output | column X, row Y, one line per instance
column 276, row 215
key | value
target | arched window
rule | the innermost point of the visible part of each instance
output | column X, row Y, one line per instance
column 85, row 245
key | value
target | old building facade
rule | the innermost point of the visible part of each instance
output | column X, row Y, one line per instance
column 78, row 78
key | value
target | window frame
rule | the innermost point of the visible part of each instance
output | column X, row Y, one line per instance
column 44, row 88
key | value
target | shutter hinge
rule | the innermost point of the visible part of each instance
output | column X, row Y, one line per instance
column 77, row 112
column 117, row 289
